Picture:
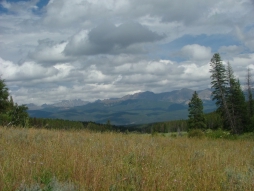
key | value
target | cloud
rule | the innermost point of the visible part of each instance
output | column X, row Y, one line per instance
column 93, row 82
column 158, row 68
column 79, row 12
column 107, row 38
column 240, row 63
column 123, row 35
column 26, row 71
column 228, row 52
column 231, row 49
column 5, row 4
column 195, row 52
column 246, row 36
column 20, row 7
column 92, row 49
column 49, row 52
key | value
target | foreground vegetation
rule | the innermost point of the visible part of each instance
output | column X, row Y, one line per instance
column 40, row 159
column 217, row 154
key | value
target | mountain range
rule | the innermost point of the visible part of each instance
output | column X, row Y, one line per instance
column 138, row 108
column 61, row 104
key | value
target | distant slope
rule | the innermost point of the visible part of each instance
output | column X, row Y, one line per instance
column 144, row 107
column 39, row 113
column 61, row 104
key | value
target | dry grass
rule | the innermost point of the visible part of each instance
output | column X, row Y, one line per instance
column 80, row 160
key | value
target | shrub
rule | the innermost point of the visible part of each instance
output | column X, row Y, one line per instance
column 154, row 133
column 219, row 134
column 196, row 133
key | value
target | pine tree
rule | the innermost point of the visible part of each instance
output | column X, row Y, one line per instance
column 230, row 92
column 238, row 107
column 250, row 102
column 4, row 103
column 196, row 115
column 249, row 94
column 236, row 101
column 219, row 83
column 108, row 125
column 4, row 94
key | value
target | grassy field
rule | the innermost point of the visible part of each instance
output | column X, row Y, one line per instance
column 39, row 159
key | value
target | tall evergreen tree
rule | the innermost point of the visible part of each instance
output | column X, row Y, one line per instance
column 4, row 94
column 250, row 101
column 249, row 94
column 219, row 83
column 196, row 115
column 238, row 107
column 4, row 102
column 230, row 92
column 236, row 102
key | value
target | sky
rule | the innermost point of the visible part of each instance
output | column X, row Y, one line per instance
column 53, row 50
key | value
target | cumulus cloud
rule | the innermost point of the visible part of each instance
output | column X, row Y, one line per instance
column 49, row 52
column 187, row 12
column 91, row 49
column 228, row 52
column 72, row 12
column 231, row 49
column 123, row 35
column 26, row 71
column 240, row 63
column 195, row 52
column 246, row 37
column 159, row 68
column 107, row 38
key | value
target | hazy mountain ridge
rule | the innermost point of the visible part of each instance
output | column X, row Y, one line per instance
column 142, row 107
column 176, row 96
column 61, row 104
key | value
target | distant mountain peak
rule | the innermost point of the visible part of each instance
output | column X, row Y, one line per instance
column 142, row 107
column 32, row 106
column 61, row 104
column 70, row 103
column 177, row 96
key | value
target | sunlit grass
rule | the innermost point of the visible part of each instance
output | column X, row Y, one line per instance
column 83, row 160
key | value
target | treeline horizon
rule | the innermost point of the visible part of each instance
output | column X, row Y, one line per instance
column 235, row 110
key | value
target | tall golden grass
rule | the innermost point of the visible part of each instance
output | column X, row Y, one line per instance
column 115, row 161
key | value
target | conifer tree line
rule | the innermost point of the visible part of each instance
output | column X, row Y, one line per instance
column 11, row 114
column 236, row 111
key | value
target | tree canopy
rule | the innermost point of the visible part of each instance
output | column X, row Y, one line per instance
column 229, row 97
column 10, row 113
column 196, row 115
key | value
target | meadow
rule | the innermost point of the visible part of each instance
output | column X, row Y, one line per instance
column 40, row 159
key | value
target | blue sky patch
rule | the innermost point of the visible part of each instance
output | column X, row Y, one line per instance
column 40, row 5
